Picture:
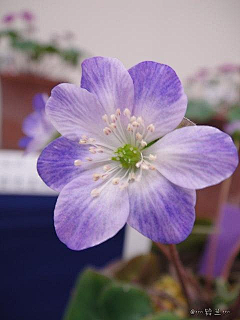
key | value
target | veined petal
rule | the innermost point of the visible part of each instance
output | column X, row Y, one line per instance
column 159, row 96
column 161, row 210
column 109, row 81
column 82, row 221
column 195, row 157
column 56, row 162
column 75, row 112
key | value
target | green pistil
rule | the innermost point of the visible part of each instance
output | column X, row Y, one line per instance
column 128, row 156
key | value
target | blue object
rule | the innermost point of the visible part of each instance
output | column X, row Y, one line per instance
column 37, row 270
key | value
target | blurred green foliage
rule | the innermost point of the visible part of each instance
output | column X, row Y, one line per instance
column 36, row 50
column 98, row 297
column 200, row 111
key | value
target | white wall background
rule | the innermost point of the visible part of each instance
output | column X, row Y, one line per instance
column 186, row 34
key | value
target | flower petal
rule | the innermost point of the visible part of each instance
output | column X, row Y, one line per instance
column 159, row 96
column 109, row 81
column 195, row 157
column 75, row 112
column 161, row 210
column 56, row 162
column 82, row 221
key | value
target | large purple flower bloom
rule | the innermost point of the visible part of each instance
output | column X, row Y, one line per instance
column 119, row 159
column 37, row 127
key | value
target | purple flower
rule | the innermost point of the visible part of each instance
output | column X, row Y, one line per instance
column 229, row 67
column 227, row 243
column 232, row 127
column 8, row 18
column 119, row 159
column 27, row 16
column 37, row 127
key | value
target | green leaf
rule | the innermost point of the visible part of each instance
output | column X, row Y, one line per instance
column 199, row 110
column 83, row 303
column 124, row 302
column 144, row 269
column 163, row 316
column 234, row 114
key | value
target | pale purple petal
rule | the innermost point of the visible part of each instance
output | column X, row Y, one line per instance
column 227, row 242
column 82, row 221
column 161, row 210
column 195, row 157
column 109, row 81
column 159, row 96
column 76, row 112
column 56, row 162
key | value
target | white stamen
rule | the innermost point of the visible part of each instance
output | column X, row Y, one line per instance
column 130, row 127
column 77, row 162
column 107, row 131
column 89, row 159
column 135, row 124
column 91, row 140
column 144, row 166
column 95, row 193
column 113, row 117
column 96, row 176
column 82, row 141
column 118, row 112
column 143, row 143
column 93, row 150
column 106, row 167
column 138, row 164
column 115, row 181
column 151, row 128
column 132, row 176
column 139, row 136
column 84, row 137
column 105, row 118
column 127, row 113
column 100, row 150
column 152, row 157
column 133, row 118
column 113, row 126
column 140, row 120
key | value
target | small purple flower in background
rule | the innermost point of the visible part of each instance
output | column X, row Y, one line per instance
column 27, row 16
column 122, row 159
column 232, row 127
column 227, row 243
column 37, row 127
column 9, row 18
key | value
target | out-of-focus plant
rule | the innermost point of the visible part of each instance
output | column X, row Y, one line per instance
column 37, row 128
column 214, row 93
column 23, row 52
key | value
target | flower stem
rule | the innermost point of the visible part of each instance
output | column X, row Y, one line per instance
column 180, row 271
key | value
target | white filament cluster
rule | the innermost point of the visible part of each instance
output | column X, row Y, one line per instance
column 127, row 129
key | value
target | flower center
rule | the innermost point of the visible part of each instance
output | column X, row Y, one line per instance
column 128, row 156
column 125, row 164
